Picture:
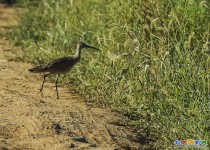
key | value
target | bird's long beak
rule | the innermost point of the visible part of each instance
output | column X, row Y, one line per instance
column 87, row 46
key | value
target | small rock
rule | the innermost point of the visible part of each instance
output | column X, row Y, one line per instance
column 57, row 127
column 72, row 145
column 93, row 145
column 81, row 139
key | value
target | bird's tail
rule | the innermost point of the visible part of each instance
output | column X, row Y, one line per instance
column 37, row 69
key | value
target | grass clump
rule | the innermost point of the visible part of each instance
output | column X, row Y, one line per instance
column 154, row 64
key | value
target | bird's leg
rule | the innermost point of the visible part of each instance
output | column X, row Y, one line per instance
column 41, row 89
column 56, row 85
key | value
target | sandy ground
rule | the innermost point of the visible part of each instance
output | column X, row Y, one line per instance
column 28, row 121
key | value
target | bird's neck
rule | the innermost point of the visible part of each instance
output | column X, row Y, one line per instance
column 78, row 53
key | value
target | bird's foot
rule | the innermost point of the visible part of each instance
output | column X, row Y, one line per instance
column 42, row 95
column 40, row 91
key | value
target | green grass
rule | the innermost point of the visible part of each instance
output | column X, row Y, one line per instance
column 154, row 66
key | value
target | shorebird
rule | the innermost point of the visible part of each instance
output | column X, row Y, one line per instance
column 60, row 66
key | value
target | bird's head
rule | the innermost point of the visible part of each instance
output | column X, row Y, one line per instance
column 82, row 45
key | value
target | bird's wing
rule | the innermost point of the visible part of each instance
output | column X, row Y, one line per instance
column 60, row 64
column 58, row 61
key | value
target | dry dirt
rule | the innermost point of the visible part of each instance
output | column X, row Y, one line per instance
column 28, row 121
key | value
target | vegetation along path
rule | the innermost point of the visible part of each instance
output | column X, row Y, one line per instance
column 28, row 121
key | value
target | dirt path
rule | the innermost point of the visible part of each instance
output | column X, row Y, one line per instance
column 28, row 121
